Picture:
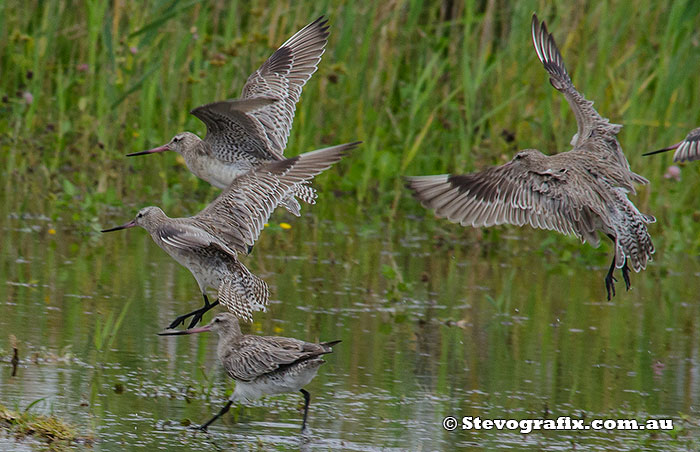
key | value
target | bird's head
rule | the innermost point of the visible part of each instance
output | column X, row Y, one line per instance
column 147, row 218
column 182, row 143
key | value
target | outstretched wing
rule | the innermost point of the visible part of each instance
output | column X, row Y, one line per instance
column 232, row 130
column 255, row 356
column 240, row 212
column 507, row 194
column 282, row 77
column 591, row 126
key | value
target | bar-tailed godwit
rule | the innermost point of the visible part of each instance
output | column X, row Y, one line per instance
column 582, row 191
column 687, row 150
column 262, row 365
column 252, row 130
column 207, row 244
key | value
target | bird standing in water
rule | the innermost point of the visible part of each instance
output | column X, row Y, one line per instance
column 582, row 191
column 262, row 365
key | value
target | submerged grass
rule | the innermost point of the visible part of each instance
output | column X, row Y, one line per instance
column 106, row 331
column 428, row 86
column 56, row 432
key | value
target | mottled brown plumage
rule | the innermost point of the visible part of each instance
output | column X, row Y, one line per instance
column 262, row 365
column 687, row 150
column 245, row 133
column 582, row 191
column 207, row 243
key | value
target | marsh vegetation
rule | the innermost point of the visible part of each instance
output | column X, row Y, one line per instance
column 435, row 319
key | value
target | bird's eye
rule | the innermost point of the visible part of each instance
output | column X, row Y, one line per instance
column 217, row 320
column 139, row 215
column 176, row 139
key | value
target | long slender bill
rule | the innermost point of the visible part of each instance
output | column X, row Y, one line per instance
column 201, row 329
column 670, row 148
column 150, row 151
column 130, row 224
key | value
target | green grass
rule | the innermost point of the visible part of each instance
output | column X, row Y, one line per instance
column 58, row 434
column 427, row 89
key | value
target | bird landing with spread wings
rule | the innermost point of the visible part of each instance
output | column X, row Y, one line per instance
column 262, row 365
column 582, row 191
column 687, row 150
column 208, row 243
column 250, row 131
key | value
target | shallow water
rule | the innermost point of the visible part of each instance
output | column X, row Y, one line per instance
column 435, row 321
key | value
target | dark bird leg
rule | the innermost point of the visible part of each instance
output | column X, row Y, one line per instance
column 201, row 311
column 610, row 280
column 223, row 411
column 197, row 313
column 307, row 399
column 626, row 275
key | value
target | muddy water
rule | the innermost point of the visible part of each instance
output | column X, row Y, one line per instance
column 435, row 321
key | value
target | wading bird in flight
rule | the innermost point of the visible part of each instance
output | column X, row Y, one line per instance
column 687, row 150
column 207, row 243
column 582, row 191
column 245, row 133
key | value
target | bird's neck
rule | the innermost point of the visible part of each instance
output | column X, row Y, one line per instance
column 201, row 147
column 195, row 149
column 229, row 340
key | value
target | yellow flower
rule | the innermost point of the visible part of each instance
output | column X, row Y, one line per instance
column 52, row 231
column 135, row 134
column 277, row 329
column 285, row 226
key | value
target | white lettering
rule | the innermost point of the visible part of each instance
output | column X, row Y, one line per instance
column 467, row 423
